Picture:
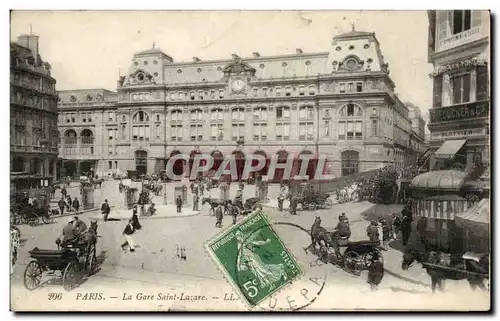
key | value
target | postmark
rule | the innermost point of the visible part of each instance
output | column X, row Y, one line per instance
column 254, row 259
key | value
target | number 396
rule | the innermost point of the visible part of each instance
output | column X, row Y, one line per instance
column 251, row 288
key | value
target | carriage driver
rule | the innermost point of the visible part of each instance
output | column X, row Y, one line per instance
column 79, row 226
column 68, row 233
column 343, row 230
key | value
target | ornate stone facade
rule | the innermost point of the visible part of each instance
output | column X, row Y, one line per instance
column 33, row 114
column 339, row 103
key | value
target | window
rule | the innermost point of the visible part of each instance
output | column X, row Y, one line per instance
column 306, row 131
column 282, row 113
column 312, row 90
column 461, row 88
column 306, row 112
column 260, row 114
column 238, row 114
column 350, row 162
column 176, row 116
column 110, row 134
column 176, row 132
column 196, row 115
column 140, row 117
column 181, row 96
column 461, row 21
column 278, row 91
column 221, row 93
column 217, row 132
column 124, row 130
column 196, row 133
column 350, row 130
column 259, row 132
column 140, row 132
column 301, row 91
column 342, row 87
column 192, row 95
column 288, row 91
column 73, row 117
column 157, row 131
column 238, row 132
column 283, row 131
column 157, row 117
column 350, row 87
column 111, row 116
column 110, row 152
column 264, row 92
column 201, row 94
column 374, row 131
column 212, row 94
column 327, row 128
column 110, row 164
column 359, row 87
column 255, row 92
column 116, row 164
column 217, row 115
column 374, row 111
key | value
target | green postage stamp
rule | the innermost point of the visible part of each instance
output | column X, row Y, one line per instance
column 254, row 259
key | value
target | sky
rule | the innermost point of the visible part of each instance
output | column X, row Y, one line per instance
column 88, row 49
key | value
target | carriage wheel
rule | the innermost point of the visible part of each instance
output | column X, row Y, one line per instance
column 328, row 203
column 312, row 206
column 352, row 261
column 70, row 276
column 32, row 275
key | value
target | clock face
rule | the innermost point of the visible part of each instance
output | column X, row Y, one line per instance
column 238, row 85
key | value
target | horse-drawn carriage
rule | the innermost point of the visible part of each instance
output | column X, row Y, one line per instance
column 72, row 261
column 333, row 248
column 251, row 204
column 32, row 215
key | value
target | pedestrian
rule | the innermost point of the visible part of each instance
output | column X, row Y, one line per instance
column 293, row 205
column 422, row 230
column 375, row 271
column 135, row 219
column 151, row 210
column 196, row 199
column 406, row 229
column 76, row 204
column 62, row 205
column 64, row 192
column 178, row 202
column 281, row 199
column 234, row 212
column 386, row 233
column 372, row 232
column 396, row 225
column 69, row 203
column 218, row 216
column 202, row 188
column 127, row 235
column 105, row 210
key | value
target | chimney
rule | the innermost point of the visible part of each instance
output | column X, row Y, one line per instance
column 30, row 42
column 196, row 59
column 256, row 55
column 298, row 51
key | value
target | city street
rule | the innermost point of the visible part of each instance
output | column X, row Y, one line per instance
column 155, row 266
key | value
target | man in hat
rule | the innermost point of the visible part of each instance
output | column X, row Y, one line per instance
column 127, row 235
column 375, row 271
column 79, row 226
column 62, row 205
column 68, row 233
column 135, row 219
column 105, row 210
column 196, row 202
column 76, row 204
column 178, row 202
column 372, row 232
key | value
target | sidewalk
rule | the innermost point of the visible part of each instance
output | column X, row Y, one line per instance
column 163, row 212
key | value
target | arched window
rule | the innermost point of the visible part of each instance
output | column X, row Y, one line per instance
column 70, row 137
column 140, row 132
column 217, row 114
column 350, row 123
column 196, row 115
column 176, row 126
column 238, row 125
column 196, row 132
column 140, row 117
column 260, row 114
column 238, row 114
column 350, row 162
column 87, row 141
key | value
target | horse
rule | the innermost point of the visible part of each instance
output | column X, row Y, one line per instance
column 157, row 188
column 214, row 203
column 454, row 268
column 97, row 182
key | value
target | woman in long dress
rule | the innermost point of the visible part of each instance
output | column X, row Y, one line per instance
column 267, row 274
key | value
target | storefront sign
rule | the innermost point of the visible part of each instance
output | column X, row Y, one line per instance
column 458, row 112
column 458, row 133
column 460, row 39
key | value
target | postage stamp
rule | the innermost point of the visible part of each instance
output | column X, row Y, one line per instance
column 254, row 259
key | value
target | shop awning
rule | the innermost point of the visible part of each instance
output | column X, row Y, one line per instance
column 478, row 216
column 449, row 148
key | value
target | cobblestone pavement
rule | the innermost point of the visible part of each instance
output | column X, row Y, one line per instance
column 155, row 266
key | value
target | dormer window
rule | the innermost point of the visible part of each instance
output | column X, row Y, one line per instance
column 288, row 91
column 181, row 95
column 301, row 91
column 278, row 91
column 192, row 95
column 312, row 90
column 201, row 94
column 140, row 76
column 221, row 93
column 264, row 91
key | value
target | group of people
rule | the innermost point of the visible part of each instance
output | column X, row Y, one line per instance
column 72, row 231
column 68, row 204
